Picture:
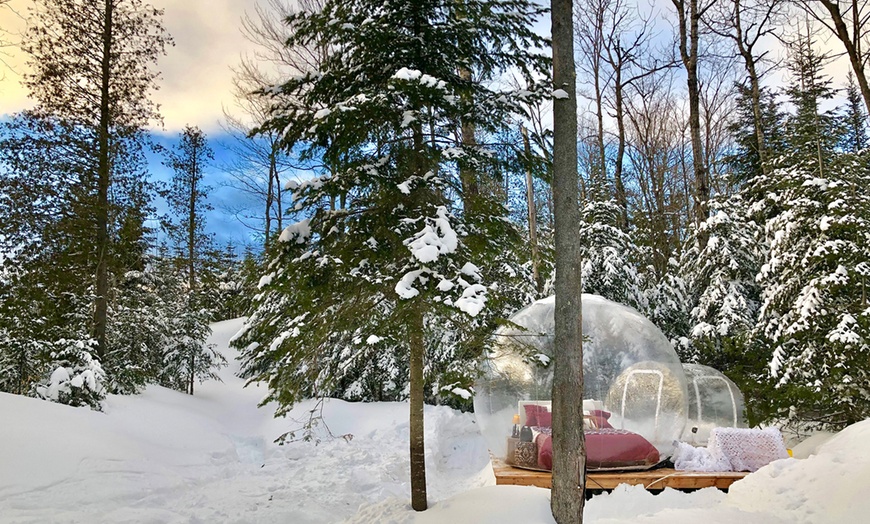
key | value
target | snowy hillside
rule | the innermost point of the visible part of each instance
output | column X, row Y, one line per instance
column 163, row 456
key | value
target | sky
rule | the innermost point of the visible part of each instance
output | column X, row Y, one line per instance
column 194, row 88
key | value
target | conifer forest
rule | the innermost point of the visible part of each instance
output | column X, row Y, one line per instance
column 400, row 155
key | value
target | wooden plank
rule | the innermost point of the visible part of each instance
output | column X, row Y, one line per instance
column 655, row 479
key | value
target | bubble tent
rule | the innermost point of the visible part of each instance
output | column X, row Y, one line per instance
column 714, row 401
column 634, row 386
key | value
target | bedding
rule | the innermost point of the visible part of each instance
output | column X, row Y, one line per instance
column 606, row 447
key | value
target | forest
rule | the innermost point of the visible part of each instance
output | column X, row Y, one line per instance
column 402, row 155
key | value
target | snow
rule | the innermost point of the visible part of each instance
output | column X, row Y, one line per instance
column 163, row 456
column 300, row 231
column 560, row 94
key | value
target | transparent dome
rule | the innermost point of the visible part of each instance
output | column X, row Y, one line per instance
column 714, row 401
column 634, row 387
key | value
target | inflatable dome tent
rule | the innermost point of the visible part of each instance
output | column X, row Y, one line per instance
column 634, row 397
column 714, row 401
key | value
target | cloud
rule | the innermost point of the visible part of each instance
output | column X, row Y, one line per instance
column 196, row 76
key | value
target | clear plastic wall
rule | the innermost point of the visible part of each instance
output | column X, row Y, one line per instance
column 714, row 401
column 631, row 371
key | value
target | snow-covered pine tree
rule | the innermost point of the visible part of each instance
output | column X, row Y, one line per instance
column 187, row 357
column 813, row 322
column 721, row 282
column 669, row 305
column 609, row 256
column 386, row 253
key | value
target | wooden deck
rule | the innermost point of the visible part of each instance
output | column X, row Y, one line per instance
column 656, row 479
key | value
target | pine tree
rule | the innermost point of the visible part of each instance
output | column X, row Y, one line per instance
column 385, row 255
column 187, row 355
column 609, row 256
column 74, row 168
column 855, row 138
column 721, row 280
column 812, row 323
column 92, row 69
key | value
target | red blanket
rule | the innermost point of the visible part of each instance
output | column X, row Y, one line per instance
column 606, row 448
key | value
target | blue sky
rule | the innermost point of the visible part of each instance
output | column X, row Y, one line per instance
column 225, row 199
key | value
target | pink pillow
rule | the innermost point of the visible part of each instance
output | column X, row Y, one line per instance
column 532, row 411
column 545, row 419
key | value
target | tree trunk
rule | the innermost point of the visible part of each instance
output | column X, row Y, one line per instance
column 418, row 450
column 569, row 450
column 267, row 227
column 533, row 213
column 191, row 222
column 621, row 199
column 417, row 352
column 101, row 305
column 689, row 37
column 853, row 48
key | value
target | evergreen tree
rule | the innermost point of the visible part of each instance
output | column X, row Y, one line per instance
column 385, row 255
column 721, row 280
column 745, row 162
column 609, row 257
column 187, row 197
column 811, row 324
column 92, row 69
column 855, row 119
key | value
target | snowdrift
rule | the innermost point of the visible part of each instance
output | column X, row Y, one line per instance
column 164, row 456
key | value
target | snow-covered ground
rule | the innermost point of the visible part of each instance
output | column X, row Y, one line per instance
column 163, row 456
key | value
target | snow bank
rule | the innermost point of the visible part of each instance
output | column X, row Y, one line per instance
column 164, row 456
column 167, row 457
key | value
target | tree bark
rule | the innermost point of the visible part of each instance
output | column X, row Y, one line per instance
column 689, row 37
column 619, row 186
column 101, row 305
column 569, row 453
column 418, row 449
column 533, row 214
column 417, row 352
column 853, row 48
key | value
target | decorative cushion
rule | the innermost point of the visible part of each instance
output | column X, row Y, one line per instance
column 545, row 419
column 525, row 455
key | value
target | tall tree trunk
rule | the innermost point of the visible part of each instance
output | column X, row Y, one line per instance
column 101, row 305
column 191, row 252
column 267, row 227
column 754, row 87
column 417, row 352
column 689, row 37
column 418, row 449
column 569, row 447
column 619, row 186
column 851, row 43
column 533, row 213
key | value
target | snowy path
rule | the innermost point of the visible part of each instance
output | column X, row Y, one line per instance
column 163, row 456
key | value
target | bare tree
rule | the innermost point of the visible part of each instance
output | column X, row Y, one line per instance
column 689, row 14
column 569, row 445
column 747, row 23
column 628, row 54
column 837, row 16
column 260, row 161
column 658, row 164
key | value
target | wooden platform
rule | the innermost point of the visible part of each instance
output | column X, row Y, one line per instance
column 656, row 479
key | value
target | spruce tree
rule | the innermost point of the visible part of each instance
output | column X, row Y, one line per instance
column 812, row 323
column 855, row 138
column 385, row 255
column 187, row 197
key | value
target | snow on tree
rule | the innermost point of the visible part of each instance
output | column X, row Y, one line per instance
column 609, row 256
column 401, row 113
column 721, row 280
column 814, row 319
